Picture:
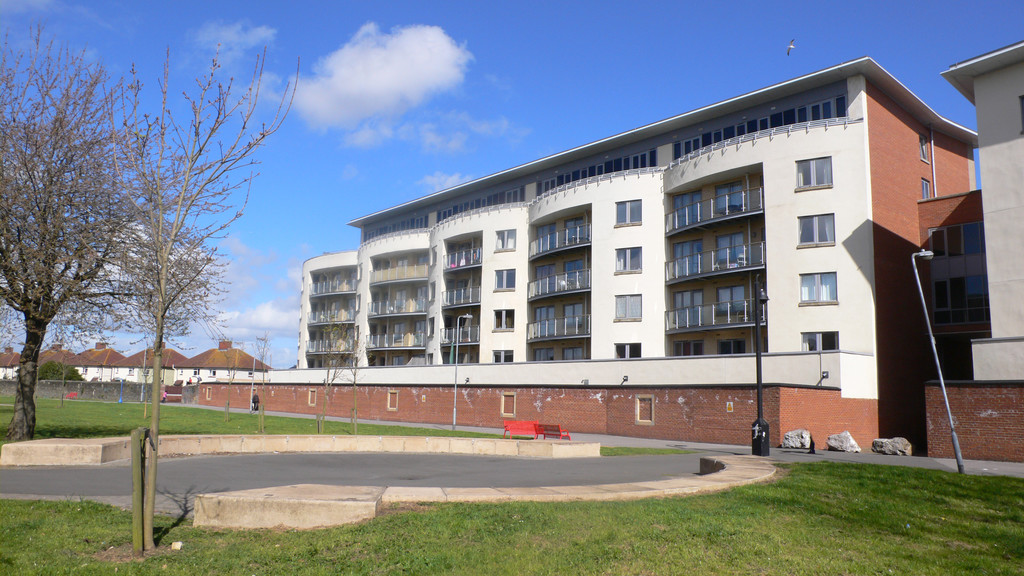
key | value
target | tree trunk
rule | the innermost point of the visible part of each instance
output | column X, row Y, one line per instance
column 154, row 437
column 23, row 423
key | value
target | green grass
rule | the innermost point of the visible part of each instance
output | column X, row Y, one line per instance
column 821, row 518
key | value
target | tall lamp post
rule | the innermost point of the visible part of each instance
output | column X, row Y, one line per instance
column 759, row 443
column 455, row 394
column 928, row 255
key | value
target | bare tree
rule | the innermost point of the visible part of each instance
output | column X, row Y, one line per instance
column 261, row 350
column 61, row 216
column 188, row 180
column 346, row 352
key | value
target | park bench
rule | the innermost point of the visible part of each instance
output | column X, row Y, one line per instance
column 521, row 428
column 72, row 395
column 553, row 430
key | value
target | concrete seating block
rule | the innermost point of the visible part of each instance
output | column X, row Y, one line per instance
column 300, row 506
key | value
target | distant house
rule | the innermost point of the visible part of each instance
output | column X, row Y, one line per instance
column 138, row 367
column 9, row 364
column 96, row 364
column 222, row 364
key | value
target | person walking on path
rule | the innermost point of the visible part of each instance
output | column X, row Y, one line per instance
column 255, row 403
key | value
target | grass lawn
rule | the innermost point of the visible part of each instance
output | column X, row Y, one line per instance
column 821, row 518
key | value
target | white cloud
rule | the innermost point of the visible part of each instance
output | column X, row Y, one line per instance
column 233, row 41
column 441, row 181
column 381, row 75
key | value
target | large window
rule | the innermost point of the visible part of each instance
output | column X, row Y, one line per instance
column 630, row 350
column 735, row 346
column 628, row 307
column 819, row 229
column 573, row 353
column 504, row 319
column 814, row 173
column 818, row 287
column 505, row 279
column 628, row 212
column 817, row 341
column 688, row 348
column 961, row 300
column 543, row 354
column 958, row 240
column 506, row 240
column 502, row 356
column 628, row 260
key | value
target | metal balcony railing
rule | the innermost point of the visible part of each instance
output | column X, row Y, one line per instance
column 559, row 327
column 333, row 287
column 732, row 204
column 328, row 346
column 461, row 296
column 463, row 258
column 711, row 315
column 733, row 258
column 466, row 335
column 566, row 238
column 407, row 340
column 558, row 283
column 417, row 272
column 329, row 316
column 385, row 307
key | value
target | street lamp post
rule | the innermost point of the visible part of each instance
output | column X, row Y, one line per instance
column 759, row 443
column 455, row 394
column 928, row 255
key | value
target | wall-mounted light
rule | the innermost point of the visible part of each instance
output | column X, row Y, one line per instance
column 824, row 374
column 624, row 380
column 585, row 381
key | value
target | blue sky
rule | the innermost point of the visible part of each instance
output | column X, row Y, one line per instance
column 400, row 99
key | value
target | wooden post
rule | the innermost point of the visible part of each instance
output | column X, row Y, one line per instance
column 138, row 450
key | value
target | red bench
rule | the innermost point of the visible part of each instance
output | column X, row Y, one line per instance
column 72, row 395
column 553, row 430
column 521, row 428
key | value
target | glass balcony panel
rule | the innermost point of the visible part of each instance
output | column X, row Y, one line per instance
column 462, row 258
column 559, row 327
column 731, row 204
column 717, row 260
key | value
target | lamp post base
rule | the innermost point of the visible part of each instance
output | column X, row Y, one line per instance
column 759, row 444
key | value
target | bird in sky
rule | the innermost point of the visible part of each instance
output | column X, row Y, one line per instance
column 791, row 46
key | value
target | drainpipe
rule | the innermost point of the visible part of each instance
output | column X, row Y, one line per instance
column 935, row 184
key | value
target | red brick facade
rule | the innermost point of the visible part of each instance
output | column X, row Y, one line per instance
column 713, row 414
column 989, row 419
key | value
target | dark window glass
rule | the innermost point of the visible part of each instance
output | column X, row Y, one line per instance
column 741, row 129
column 776, row 119
column 972, row 238
column 654, row 157
column 830, row 340
column 954, row 241
column 609, row 166
column 717, row 136
column 560, row 180
column 826, row 109
column 840, row 106
column 705, row 140
column 751, row 125
column 575, row 175
column 618, row 165
column 762, row 124
column 677, row 150
column 958, row 293
column 728, row 132
column 801, row 114
column 816, row 112
column 789, row 116
column 939, row 242
column 687, row 148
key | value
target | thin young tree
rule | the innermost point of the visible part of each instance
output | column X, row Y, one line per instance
column 261, row 349
column 61, row 214
column 188, row 180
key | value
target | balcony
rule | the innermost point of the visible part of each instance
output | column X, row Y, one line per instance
column 555, row 328
column 463, row 259
column 569, row 282
column 717, row 209
column 398, row 307
column 331, row 316
column 736, row 313
column 399, row 274
column 560, row 240
column 333, row 287
column 407, row 340
column 460, row 297
column 466, row 335
column 715, row 262
column 328, row 346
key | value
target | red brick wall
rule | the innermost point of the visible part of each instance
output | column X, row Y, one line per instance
column 896, row 171
column 695, row 414
column 989, row 419
column 948, row 210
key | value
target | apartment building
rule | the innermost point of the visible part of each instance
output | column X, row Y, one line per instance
column 646, row 248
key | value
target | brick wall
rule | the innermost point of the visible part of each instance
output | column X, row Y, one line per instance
column 714, row 414
column 902, row 349
column 989, row 419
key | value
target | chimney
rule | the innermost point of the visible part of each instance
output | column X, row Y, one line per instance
column 101, row 345
column 224, row 345
column 9, row 350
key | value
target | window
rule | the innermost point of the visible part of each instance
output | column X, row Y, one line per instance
column 735, row 346
column 213, row 372
column 818, row 287
column 505, row 279
column 506, row 240
column 508, row 404
column 392, row 400
column 628, row 307
column 195, row 371
column 645, row 409
column 819, row 229
column 628, row 260
column 817, row 341
column 573, row 353
column 502, row 356
column 688, row 348
column 209, row 393
column 628, row 212
column 814, row 173
column 131, row 371
column 923, row 145
column 926, row 189
column 631, row 350
column 961, row 299
column 311, row 397
column 504, row 319
column 543, row 354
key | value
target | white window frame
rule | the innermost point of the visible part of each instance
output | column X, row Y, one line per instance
column 628, row 307
column 816, row 286
column 502, row 278
column 628, row 213
column 926, row 189
column 503, row 356
column 629, row 260
column 923, row 145
column 505, row 241
column 504, row 319
column 626, row 352
column 807, row 173
column 816, row 221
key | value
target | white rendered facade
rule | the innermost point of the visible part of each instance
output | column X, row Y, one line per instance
column 653, row 254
